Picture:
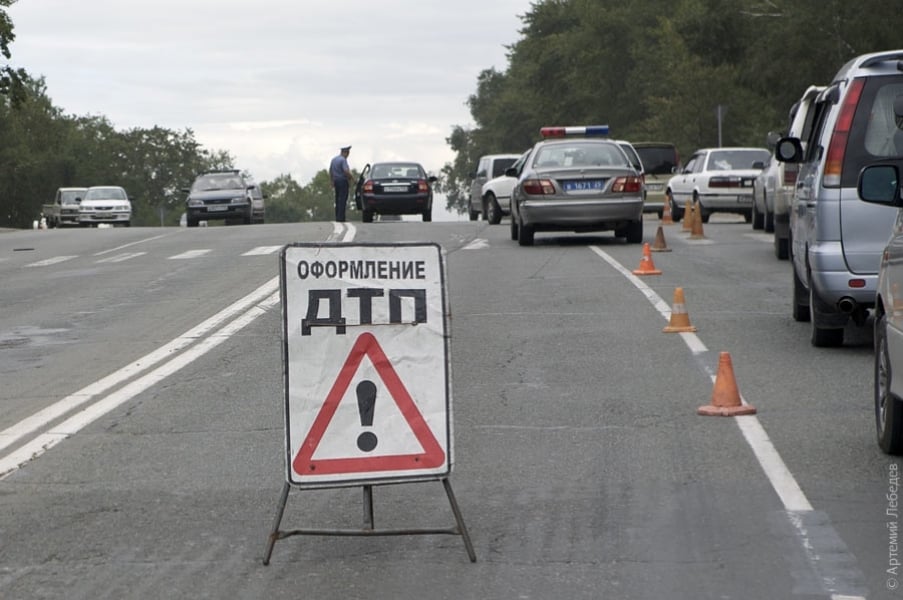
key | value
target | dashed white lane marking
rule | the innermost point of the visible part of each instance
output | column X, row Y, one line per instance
column 262, row 250
column 51, row 261
column 477, row 244
column 191, row 254
column 121, row 257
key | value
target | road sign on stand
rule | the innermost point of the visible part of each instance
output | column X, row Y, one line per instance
column 366, row 371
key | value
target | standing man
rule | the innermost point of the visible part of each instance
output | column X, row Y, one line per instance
column 341, row 178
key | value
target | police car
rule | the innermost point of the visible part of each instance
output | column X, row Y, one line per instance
column 575, row 179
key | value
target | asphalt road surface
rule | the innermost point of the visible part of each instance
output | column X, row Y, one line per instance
column 142, row 426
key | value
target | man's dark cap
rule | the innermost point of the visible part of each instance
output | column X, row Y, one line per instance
column 346, row 148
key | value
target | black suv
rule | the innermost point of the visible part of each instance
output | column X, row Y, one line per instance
column 227, row 195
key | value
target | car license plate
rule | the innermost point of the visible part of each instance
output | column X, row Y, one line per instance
column 582, row 185
column 655, row 187
column 395, row 188
column 217, row 208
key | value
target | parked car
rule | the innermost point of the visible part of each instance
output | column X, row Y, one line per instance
column 880, row 184
column 105, row 204
column 64, row 208
column 775, row 185
column 395, row 188
column 836, row 241
column 489, row 167
column 497, row 194
column 717, row 180
column 224, row 195
column 575, row 180
column 660, row 160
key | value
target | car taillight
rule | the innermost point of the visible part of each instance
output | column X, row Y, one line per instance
column 724, row 182
column 627, row 184
column 422, row 186
column 838, row 144
column 538, row 187
column 790, row 171
column 368, row 186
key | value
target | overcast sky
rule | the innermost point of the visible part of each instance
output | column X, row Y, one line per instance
column 280, row 84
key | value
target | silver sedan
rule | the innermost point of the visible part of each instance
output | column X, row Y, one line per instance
column 573, row 181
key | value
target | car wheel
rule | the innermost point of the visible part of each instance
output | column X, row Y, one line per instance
column 800, row 300
column 747, row 217
column 781, row 248
column 514, row 228
column 821, row 337
column 634, row 232
column 493, row 212
column 189, row 222
column 128, row 223
column 888, row 412
column 525, row 235
column 367, row 216
column 474, row 215
column 769, row 221
column 428, row 215
column 677, row 213
column 758, row 220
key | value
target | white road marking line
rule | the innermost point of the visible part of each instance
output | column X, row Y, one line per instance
column 121, row 257
column 72, row 401
column 45, row 441
column 262, row 250
column 477, row 244
column 48, row 439
column 117, row 248
column 760, row 237
column 191, row 254
column 51, row 261
column 774, row 467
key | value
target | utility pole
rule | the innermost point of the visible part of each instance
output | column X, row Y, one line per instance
column 720, row 111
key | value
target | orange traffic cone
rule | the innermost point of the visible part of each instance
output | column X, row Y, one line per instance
column 647, row 267
column 726, row 400
column 688, row 217
column 696, row 231
column 659, row 244
column 680, row 320
column 667, row 218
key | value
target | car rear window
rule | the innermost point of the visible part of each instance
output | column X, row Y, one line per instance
column 876, row 132
column 500, row 165
column 657, row 160
column 580, row 154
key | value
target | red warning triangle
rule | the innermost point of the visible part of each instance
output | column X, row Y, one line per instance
column 432, row 456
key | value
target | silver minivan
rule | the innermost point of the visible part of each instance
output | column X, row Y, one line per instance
column 835, row 240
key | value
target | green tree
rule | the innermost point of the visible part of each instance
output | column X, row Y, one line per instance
column 11, row 79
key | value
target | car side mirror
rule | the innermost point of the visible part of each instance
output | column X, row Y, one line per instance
column 472, row 174
column 788, row 150
column 78, row 200
column 880, row 184
column 186, row 190
column 510, row 172
column 758, row 165
column 433, row 179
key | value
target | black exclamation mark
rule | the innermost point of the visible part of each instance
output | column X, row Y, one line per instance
column 366, row 402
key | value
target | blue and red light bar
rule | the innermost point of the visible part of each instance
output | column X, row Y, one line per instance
column 582, row 131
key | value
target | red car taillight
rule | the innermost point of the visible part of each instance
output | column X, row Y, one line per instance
column 790, row 171
column 368, row 186
column 724, row 182
column 627, row 184
column 422, row 187
column 538, row 187
column 838, row 144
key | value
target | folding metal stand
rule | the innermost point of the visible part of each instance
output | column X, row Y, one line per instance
column 368, row 528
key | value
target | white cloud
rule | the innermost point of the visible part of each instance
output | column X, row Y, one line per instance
column 280, row 85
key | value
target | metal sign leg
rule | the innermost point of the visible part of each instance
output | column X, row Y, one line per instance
column 274, row 533
column 462, row 528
